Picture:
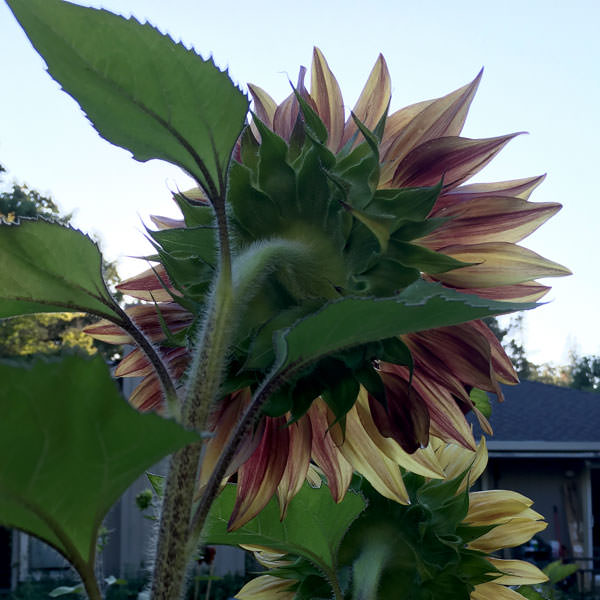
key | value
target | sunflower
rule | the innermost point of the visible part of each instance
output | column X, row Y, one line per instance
column 380, row 215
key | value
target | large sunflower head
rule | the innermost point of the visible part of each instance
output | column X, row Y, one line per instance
column 323, row 207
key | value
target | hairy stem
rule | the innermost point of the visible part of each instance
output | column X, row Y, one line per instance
column 209, row 357
column 170, row 561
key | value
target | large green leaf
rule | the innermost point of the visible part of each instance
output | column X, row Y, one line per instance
column 313, row 527
column 70, row 446
column 354, row 321
column 47, row 267
column 140, row 89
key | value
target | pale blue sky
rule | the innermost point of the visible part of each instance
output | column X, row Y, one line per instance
column 541, row 62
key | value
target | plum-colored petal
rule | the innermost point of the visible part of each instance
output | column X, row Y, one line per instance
column 517, row 572
column 501, row 363
column 498, row 263
column 405, row 417
column 223, row 420
column 297, row 464
column 146, row 316
column 515, row 188
column 529, row 291
column 136, row 364
column 108, row 332
column 147, row 395
column 489, row 219
column 453, row 158
column 494, row 591
column 325, row 91
column 287, row 112
column 149, row 285
column 325, row 452
column 362, row 453
column 373, row 100
column 443, row 117
column 260, row 475
column 422, row 462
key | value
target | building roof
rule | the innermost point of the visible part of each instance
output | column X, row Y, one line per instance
column 537, row 416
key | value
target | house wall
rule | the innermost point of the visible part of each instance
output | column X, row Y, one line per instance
column 543, row 480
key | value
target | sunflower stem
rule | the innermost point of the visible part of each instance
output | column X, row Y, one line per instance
column 209, row 358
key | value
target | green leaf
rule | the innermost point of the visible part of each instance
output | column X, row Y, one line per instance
column 157, row 482
column 530, row 593
column 71, row 445
column 424, row 259
column 557, row 571
column 194, row 213
column 354, row 321
column 313, row 527
column 411, row 204
column 198, row 242
column 140, row 89
column 63, row 590
column 481, row 401
column 47, row 267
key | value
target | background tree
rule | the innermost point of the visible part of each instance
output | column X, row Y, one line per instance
column 45, row 333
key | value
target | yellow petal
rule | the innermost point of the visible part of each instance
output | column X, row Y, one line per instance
column 325, row 91
column 267, row 587
column 499, row 263
column 373, row 100
column 455, row 460
column 495, row 506
column 494, row 591
column 423, row 462
column 361, row 452
column 513, row 533
column 517, row 572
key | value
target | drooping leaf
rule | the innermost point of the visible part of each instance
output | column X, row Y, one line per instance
column 47, row 267
column 70, row 446
column 481, row 401
column 199, row 242
column 313, row 527
column 354, row 321
column 183, row 109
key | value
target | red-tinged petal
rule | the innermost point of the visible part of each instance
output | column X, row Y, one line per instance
column 441, row 118
column 500, row 263
column 135, row 364
column 167, row 222
column 108, row 332
column 325, row 91
column 223, row 421
column 530, row 291
column 405, row 417
column 455, row 159
column 260, row 475
column 286, row 113
column 373, row 100
column 516, row 188
column 447, row 421
column 149, row 285
column 465, row 352
column 361, row 452
column 423, row 461
column 490, row 219
column 325, row 452
column 501, row 363
column 297, row 464
column 147, row 395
